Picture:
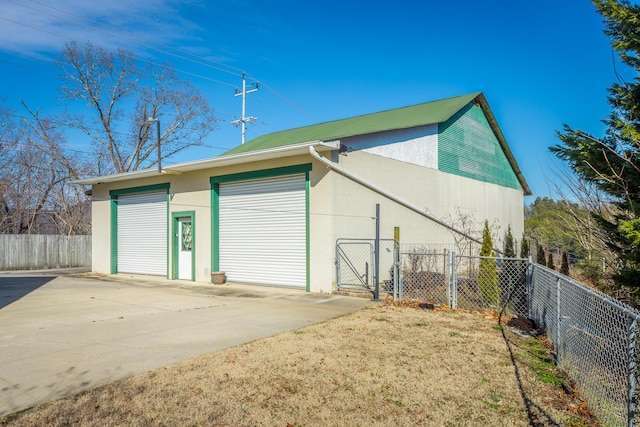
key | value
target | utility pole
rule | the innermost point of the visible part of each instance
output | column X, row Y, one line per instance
column 157, row 121
column 243, row 120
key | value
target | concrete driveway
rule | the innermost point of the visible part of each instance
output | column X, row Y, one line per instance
column 63, row 334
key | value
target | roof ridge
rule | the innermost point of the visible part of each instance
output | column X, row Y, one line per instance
column 475, row 94
column 426, row 113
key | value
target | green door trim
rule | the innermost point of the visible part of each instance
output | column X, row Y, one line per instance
column 114, row 194
column 245, row 176
column 175, row 216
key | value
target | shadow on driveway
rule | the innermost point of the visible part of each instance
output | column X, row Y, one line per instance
column 12, row 288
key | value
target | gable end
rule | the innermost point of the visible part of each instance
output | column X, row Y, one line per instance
column 468, row 146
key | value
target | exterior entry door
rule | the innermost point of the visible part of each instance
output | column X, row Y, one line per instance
column 185, row 248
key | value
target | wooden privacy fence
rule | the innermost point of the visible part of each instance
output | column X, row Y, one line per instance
column 41, row 251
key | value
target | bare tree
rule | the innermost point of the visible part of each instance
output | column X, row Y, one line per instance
column 121, row 96
column 36, row 166
column 9, row 141
column 67, row 206
column 465, row 222
column 582, row 203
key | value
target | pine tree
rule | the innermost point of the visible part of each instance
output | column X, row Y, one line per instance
column 524, row 248
column 550, row 261
column 509, row 248
column 488, row 283
column 541, row 258
column 564, row 268
column 612, row 163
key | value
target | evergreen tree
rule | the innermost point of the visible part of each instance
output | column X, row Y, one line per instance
column 509, row 248
column 524, row 248
column 550, row 261
column 488, row 283
column 540, row 257
column 564, row 268
column 612, row 163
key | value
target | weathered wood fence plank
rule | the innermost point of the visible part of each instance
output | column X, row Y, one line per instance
column 41, row 251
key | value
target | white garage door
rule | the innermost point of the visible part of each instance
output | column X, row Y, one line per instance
column 262, row 231
column 142, row 234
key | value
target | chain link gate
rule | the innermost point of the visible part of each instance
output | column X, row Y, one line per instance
column 355, row 265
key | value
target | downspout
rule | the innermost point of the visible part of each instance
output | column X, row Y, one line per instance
column 390, row 196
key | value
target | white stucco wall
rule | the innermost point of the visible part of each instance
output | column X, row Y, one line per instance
column 338, row 207
column 192, row 192
column 418, row 146
column 443, row 195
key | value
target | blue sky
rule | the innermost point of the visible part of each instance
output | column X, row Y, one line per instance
column 540, row 64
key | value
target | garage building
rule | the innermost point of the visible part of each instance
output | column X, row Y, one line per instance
column 269, row 212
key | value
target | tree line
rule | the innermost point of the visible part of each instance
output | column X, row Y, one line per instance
column 601, row 223
column 107, row 98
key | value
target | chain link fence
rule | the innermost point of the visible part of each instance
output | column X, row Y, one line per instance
column 594, row 336
column 595, row 340
column 462, row 281
column 489, row 283
column 424, row 275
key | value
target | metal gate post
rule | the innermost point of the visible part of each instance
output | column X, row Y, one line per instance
column 366, row 274
column 376, row 267
column 396, row 268
column 396, row 260
column 631, row 368
column 447, row 277
column 558, row 320
column 529, row 287
column 454, row 281
column 337, row 265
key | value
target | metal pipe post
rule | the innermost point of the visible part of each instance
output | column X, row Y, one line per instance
column 376, row 267
column 631, row 368
column 159, row 156
column 454, row 280
column 558, row 320
column 337, row 261
column 396, row 260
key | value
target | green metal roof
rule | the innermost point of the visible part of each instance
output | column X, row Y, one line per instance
column 399, row 118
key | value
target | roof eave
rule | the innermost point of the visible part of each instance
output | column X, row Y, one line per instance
column 230, row 160
column 503, row 143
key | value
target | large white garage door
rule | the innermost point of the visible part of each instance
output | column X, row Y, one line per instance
column 262, row 231
column 142, row 234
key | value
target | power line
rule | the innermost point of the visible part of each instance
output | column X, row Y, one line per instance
column 25, row 67
column 133, row 56
column 283, row 117
column 65, row 124
column 199, row 60
column 284, row 98
column 148, row 46
column 130, row 35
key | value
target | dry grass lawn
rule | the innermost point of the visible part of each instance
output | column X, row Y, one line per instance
column 384, row 365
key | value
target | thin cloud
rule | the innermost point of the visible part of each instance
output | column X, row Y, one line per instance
column 41, row 28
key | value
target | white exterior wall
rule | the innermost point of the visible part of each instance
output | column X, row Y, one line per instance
column 100, row 230
column 443, row 195
column 192, row 192
column 404, row 162
column 338, row 207
column 418, row 146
